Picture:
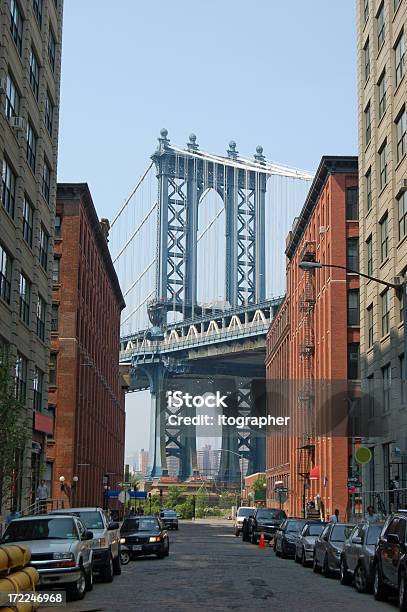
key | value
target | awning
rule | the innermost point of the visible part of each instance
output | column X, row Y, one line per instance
column 315, row 473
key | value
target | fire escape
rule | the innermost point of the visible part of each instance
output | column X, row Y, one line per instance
column 306, row 389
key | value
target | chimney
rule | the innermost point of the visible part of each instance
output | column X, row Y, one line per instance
column 105, row 227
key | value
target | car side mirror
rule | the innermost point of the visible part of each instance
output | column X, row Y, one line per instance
column 113, row 525
column 356, row 540
column 88, row 535
column 393, row 538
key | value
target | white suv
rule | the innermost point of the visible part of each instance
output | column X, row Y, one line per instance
column 242, row 513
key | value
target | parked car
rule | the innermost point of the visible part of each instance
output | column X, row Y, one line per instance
column 169, row 519
column 145, row 535
column 390, row 562
column 329, row 546
column 106, row 540
column 286, row 537
column 60, row 550
column 264, row 520
column 242, row 513
column 304, row 552
column 358, row 554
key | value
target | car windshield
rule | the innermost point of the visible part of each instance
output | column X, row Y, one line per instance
column 140, row 524
column 169, row 514
column 41, row 529
column 294, row 526
column 340, row 532
column 314, row 530
column 91, row 519
column 245, row 511
column 373, row 534
column 269, row 513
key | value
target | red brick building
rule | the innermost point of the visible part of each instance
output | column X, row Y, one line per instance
column 315, row 337
column 86, row 390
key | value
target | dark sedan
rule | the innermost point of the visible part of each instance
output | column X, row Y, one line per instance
column 144, row 535
column 329, row 546
column 169, row 518
column 286, row 538
column 264, row 520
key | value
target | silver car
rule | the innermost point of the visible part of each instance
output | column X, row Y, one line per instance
column 304, row 552
column 60, row 550
column 358, row 554
column 329, row 546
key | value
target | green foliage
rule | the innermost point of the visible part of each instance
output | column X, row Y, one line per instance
column 260, row 483
column 14, row 432
column 227, row 499
column 174, row 496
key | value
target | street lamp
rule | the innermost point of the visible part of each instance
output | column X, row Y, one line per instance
column 401, row 289
column 241, row 457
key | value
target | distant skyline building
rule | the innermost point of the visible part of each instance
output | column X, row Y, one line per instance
column 143, row 462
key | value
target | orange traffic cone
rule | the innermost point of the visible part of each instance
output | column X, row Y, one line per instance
column 261, row 541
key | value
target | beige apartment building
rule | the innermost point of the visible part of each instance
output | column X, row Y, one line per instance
column 30, row 66
column 382, row 84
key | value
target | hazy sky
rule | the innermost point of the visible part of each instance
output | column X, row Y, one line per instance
column 282, row 74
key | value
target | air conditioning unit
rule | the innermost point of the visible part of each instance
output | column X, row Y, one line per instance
column 402, row 188
column 322, row 229
column 397, row 280
column 17, row 123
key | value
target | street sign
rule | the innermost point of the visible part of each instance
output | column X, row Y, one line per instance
column 281, row 495
column 137, row 494
column 354, row 483
column 363, row 454
column 112, row 494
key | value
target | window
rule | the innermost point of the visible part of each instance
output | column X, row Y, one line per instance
column 54, row 317
column 369, row 245
column 12, row 98
column 396, row 4
column 383, row 165
column 25, row 295
column 353, row 361
column 368, row 178
column 16, row 25
column 370, row 328
column 5, row 275
column 46, row 180
column 28, row 220
column 382, row 94
column 353, row 254
column 371, row 390
column 38, row 386
column 41, row 314
column 21, row 378
column 51, row 49
column 58, row 222
column 352, row 204
column 401, row 127
column 37, row 7
column 34, row 73
column 353, row 307
column 402, row 205
column 385, row 312
column 402, row 379
column 366, row 60
column 399, row 51
column 31, row 152
column 384, row 237
column 9, row 188
column 56, row 270
column 380, row 28
column 44, row 244
column 368, row 125
column 386, row 376
column 53, row 369
column 365, row 10
column 49, row 113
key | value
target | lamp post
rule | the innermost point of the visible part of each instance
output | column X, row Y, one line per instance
column 400, row 289
column 241, row 457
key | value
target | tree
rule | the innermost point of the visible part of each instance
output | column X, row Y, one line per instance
column 175, row 495
column 14, row 432
column 260, row 483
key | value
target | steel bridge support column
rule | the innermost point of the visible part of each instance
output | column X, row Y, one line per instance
column 229, row 468
column 157, row 451
column 231, row 237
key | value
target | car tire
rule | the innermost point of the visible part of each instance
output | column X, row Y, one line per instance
column 315, row 567
column 89, row 579
column 107, row 572
column 403, row 591
column 304, row 561
column 254, row 538
column 161, row 554
column 297, row 559
column 124, row 557
column 237, row 533
column 117, row 565
column 346, row 578
column 326, row 571
column 77, row 590
column 379, row 589
column 283, row 550
column 361, row 579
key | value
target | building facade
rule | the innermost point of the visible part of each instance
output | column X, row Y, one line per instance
column 382, row 122
column 313, row 345
column 30, row 67
column 86, row 392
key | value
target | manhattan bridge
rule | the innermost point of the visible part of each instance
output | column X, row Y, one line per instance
column 198, row 247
